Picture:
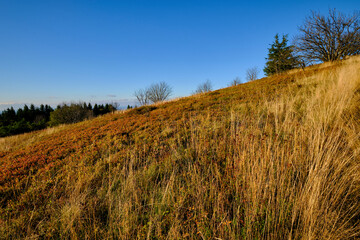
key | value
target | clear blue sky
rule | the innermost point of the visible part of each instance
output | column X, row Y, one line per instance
column 99, row 50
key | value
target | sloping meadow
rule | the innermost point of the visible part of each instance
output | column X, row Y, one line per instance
column 276, row 158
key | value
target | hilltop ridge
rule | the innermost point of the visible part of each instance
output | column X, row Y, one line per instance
column 271, row 159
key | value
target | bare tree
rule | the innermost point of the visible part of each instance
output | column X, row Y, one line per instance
column 204, row 87
column 142, row 96
column 236, row 81
column 159, row 92
column 328, row 38
column 114, row 106
column 252, row 74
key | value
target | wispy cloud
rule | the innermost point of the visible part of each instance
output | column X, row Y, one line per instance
column 53, row 97
column 111, row 96
column 8, row 103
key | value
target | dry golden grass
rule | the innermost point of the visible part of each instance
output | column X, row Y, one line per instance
column 20, row 141
column 276, row 158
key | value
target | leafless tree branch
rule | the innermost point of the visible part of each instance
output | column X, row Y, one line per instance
column 329, row 38
column 252, row 73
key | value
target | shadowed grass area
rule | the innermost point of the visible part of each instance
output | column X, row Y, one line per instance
column 276, row 158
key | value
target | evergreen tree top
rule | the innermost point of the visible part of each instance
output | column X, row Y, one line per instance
column 280, row 57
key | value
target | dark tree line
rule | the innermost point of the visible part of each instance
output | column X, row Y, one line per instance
column 33, row 118
column 24, row 119
column 77, row 112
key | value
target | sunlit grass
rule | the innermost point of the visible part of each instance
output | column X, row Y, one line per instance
column 276, row 158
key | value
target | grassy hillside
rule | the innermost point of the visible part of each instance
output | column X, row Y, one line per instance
column 277, row 158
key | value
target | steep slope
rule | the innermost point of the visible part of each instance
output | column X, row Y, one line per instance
column 270, row 159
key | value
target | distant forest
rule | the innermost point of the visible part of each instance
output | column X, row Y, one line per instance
column 33, row 118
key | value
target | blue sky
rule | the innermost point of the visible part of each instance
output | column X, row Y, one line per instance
column 102, row 51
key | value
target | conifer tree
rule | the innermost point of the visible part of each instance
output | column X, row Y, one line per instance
column 89, row 106
column 280, row 57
